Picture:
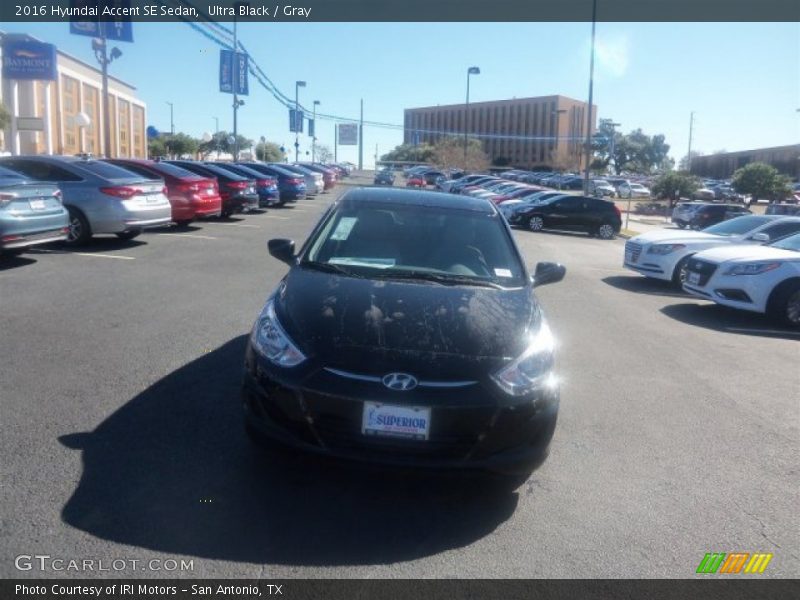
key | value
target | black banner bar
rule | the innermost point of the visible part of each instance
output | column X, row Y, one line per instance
column 730, row 588
column 412, row 11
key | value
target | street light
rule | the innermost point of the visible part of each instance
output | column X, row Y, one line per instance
column 297, row 86
column 588, row 149
column 314, row 137
column 100, row 47
column 171, row 120
column 470, row 71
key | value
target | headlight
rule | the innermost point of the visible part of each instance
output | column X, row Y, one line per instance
column 752, row 268
column 270, row 340
column 665, row 248
column 531, row 370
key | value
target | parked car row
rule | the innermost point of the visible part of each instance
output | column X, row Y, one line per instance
column 750, row 262
column 46, row 198
column 699, row 215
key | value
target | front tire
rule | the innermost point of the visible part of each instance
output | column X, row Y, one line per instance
column 681, row 224
column 681, row 273
column 535, row 223
column 606, row 231
column 784, row 307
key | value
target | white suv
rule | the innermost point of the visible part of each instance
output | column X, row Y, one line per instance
column 664, row 253
column 764, row 279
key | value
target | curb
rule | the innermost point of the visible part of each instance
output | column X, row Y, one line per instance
column 627, row 234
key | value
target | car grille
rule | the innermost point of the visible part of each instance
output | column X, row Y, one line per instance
column 703, row 268
column 632, row 251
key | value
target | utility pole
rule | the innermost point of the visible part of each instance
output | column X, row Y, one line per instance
column 297, row 86
column 336, row 142
column 361, row 139
column 689, row 153
column 171, row 119
column 470, row 71
column 100, row 46
column 314, row 137
column 588, row 153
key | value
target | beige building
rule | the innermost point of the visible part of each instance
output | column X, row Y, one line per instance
column 546, row 131
column 44, row 112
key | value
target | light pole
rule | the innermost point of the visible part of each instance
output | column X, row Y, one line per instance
column 470, row 71
column 171, row 119
column 314, row 137
column 689, row 152
column 557, row 114
column 588, row 149
column 297, row 86
column 99, row 45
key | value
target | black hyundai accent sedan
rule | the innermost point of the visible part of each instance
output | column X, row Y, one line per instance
column 406, row 332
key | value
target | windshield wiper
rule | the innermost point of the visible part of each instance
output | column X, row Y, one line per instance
column 438, row 278
column 328, row 268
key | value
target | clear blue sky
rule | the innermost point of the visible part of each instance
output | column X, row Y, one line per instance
column 741, row 79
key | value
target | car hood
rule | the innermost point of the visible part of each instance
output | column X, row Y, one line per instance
column 378, row 325
column 747, row 253
column 676, row 236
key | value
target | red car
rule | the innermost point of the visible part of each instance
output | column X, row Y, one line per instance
column 417, row 181
column 191, row 196
column 328, row 175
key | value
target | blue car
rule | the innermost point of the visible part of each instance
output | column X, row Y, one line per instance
column 266, row 185
column 291, row 186
column 31, row 213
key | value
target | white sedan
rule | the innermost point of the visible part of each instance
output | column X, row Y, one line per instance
column 664, row 253
column 763, row 279
column 632, row 190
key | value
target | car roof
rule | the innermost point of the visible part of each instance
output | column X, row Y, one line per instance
column 407, row 197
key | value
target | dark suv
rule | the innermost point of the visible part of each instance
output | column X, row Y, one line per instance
column 575, row 213
column 384, row 177
column 711, row 214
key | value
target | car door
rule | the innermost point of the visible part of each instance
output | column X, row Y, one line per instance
column 562, row 214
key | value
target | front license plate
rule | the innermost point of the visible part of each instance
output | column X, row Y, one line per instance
column 694, row 278
column 411, row 422
column 38, row 204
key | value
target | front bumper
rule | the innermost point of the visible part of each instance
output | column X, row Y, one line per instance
column 322, row 420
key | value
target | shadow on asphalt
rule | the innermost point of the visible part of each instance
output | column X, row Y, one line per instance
column 728, row 320
column 14, row 262
column 644, row 285
column 172, row 471
column 100, row 244
column 174, row 229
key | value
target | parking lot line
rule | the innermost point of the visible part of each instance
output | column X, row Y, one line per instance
column 189, row 235
column 97, row 254
column 237, row 224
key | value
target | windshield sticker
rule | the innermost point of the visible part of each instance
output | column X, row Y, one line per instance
column 376, row 263
column 503, row 273
column 343, row 228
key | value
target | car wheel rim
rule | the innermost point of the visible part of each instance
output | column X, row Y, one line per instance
column 793, row 308
column 684, row 272
column 606, row 231
column 536, row 224
column 75, row 229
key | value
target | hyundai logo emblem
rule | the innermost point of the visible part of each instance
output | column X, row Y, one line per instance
column 400, row 382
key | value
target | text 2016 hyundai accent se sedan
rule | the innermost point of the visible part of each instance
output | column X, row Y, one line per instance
column 406, row 332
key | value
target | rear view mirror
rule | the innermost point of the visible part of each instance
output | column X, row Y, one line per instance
column 282, row 249
column 760, row 237
column 548, row 272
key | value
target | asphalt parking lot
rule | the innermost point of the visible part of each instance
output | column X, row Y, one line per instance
column 122, row 438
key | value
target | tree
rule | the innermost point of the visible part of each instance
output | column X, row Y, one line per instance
column 635, row 151
column 179, row 144
column 410, row 153
column 675, row 185
column 219, row 143
column 156, row 147
column 323, row 153
column 683, row 164
column 449, row 153
column 761, row 180
column 269, row 152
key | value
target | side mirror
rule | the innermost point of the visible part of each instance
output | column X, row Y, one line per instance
column 282, row 249
column 760, row 237
column 548, row 272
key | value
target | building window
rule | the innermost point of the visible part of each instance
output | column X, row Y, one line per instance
column 70, row 102
column 124, row 128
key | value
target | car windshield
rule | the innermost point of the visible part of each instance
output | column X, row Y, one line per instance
column 790, row 243
column 443, row 245
column 737, row 226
